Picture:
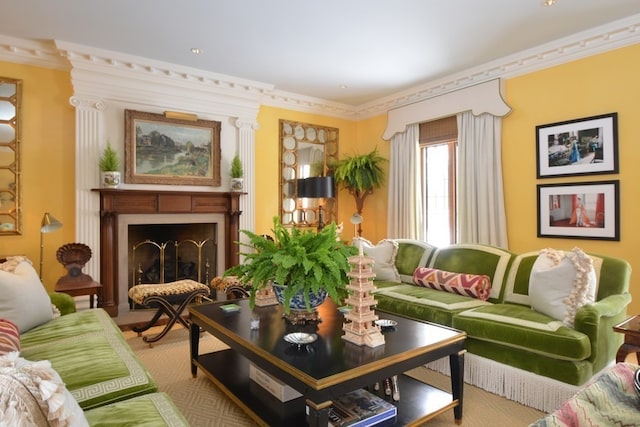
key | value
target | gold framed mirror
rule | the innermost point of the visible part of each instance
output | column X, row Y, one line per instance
column 306, row 151
column 10, row 100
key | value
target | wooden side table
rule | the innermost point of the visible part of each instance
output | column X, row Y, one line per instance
column 80, row 287
column 631, row 330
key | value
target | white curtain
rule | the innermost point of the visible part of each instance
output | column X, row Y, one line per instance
column 405, row 217
column 481, row 213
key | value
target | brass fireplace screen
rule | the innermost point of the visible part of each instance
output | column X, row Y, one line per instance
column 153, row 262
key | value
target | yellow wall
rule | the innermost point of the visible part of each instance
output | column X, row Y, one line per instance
column 600, row 84
column 48, row 165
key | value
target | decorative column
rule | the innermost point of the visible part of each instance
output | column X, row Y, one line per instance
column 246, row 151
column 89, row 129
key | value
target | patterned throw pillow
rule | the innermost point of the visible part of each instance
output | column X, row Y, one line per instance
column 9, row 337
column 384, row 255
column 471, row 285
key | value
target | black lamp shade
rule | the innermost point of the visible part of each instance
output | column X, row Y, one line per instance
column 321, row 187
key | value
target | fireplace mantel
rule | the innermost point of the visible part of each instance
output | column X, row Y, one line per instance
column 114, row 202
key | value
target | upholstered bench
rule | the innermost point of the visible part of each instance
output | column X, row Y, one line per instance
column 165, row 297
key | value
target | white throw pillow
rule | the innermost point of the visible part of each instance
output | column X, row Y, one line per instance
column 384, row 255
column 560, row 283
column 33, row 394
column 23, row 299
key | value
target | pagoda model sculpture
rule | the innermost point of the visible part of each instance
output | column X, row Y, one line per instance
column 361, row 329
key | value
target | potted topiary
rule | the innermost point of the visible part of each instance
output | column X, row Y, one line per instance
column 109, row 164
column 237, row 182
column 360, row 175
column 303, row 266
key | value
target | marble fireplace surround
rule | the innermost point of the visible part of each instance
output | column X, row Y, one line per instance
column 120, row 208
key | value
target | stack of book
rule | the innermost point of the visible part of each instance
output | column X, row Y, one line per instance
column 361, row 408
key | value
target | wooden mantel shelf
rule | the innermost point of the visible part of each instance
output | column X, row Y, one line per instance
column 115, row 201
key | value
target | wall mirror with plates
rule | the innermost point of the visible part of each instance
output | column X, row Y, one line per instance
column 10, row 99
column 306, row 151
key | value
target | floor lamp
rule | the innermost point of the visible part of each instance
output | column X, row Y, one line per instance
column 317, row 187
column 48, row 225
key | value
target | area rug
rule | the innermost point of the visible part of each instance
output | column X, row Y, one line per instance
column 204, row 405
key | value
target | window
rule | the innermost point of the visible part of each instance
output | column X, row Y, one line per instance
column 438, row 149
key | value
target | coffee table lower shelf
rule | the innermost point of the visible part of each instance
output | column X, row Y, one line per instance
column 418, row 402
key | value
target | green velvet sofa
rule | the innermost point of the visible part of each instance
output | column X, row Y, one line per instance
column 513, row 350
column 100, row 370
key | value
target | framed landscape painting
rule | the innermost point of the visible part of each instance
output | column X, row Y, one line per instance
column 588, row 210
column 161, row 150
column 578, row 147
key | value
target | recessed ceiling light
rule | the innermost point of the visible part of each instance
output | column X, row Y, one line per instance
column 196, row 50
column 548, row 2
column 343, row 86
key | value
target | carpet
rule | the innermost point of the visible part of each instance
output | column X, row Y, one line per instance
column 204, row 405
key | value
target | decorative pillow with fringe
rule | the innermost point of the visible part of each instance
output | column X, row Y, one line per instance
column 562, row 282
column 9, row 337
column 384, row 255
column 470, row 285
column 34, row 395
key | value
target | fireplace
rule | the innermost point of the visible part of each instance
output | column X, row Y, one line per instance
column 121, row 209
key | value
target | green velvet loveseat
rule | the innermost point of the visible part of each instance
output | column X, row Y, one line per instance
column 105, row 382
column 513, row 350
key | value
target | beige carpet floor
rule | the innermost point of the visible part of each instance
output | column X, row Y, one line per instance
column 204, row 405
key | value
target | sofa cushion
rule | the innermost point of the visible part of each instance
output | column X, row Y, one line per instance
column 34, row 394
column 422, row 303
column 411, row 255
column 520, row 327
column 471, row 285
column 560, row 283
column 150, row 410
column 23, row 299
column 384, row 255
column 93, row 358
column 9, row 337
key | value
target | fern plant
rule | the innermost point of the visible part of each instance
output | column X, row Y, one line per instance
column 236, row 167
column 360, row 175
column 301, row 260
column 109, row 161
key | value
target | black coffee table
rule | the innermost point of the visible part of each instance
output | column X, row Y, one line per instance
column 325, row 369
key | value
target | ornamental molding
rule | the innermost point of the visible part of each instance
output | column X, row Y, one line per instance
column 142, row 76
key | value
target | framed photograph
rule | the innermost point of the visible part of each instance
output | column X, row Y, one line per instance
column 588, row 210
column 161, row 150
column 578, row 147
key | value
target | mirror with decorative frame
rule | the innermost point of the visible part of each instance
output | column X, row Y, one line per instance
column 306, row 151
column 10, row 213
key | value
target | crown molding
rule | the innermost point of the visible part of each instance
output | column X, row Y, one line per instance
column 131, row 73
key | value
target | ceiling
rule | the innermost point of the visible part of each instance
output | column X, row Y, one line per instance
column 347, row 51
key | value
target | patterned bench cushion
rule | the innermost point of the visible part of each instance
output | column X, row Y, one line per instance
column 138, row 293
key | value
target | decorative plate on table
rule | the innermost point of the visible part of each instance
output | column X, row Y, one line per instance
column 300, row 338
column 386, row 323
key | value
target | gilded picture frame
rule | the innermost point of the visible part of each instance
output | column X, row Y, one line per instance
column 162, row 150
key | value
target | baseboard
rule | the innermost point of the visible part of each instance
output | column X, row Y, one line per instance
column 536, row 391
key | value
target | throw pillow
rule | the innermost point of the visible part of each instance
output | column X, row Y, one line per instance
column 9, row 337
column 560, row 283
column 33, row 394
column 23, row 299
column 471, row 285
column 384, row 256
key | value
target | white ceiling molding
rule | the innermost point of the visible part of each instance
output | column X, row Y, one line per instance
column 481, row 98
column 615, row 35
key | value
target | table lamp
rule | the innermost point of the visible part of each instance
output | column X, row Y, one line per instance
column 317, row 187
column 48, row 225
